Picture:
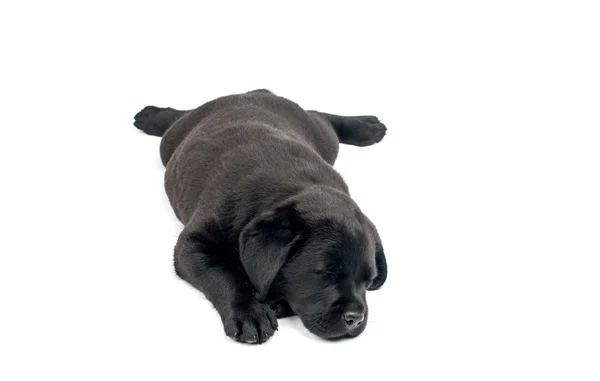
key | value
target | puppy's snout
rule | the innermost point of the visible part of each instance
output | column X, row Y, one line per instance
column 353, row 319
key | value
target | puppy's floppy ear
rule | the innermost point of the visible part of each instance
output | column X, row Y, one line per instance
column 381, row 264
column 265, row 244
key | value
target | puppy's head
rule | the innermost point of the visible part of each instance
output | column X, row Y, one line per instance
column 321, row 254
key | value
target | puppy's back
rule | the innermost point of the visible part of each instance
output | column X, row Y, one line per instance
column 260, row 106
column 243, row 146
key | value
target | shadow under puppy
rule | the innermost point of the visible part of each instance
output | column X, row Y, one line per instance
column 270, row 228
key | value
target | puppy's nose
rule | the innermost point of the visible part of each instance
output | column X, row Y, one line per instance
column 353, row 319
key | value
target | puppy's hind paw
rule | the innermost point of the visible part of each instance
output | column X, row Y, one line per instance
column 145, row 120
column 156, row 120
column 359, row 130
column 369, row 130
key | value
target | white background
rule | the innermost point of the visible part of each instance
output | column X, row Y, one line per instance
column 486, row 189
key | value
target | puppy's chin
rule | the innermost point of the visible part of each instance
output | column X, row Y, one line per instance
column 330, row 327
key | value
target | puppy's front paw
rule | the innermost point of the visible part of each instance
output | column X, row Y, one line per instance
column 252, row 323
column 282, row 308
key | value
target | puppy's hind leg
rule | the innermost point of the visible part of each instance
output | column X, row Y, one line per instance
column 156, row 120
column 356, row 130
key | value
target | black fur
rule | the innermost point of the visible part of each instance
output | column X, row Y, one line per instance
column 270, row 228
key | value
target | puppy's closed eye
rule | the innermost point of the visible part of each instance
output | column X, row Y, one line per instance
column 328, row 273
column 333, row 274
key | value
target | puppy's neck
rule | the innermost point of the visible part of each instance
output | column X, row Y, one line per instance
column 318, row 202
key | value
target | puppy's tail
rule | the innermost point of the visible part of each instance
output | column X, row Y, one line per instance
column 156, row 120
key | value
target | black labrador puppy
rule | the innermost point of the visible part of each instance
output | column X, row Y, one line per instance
column 270, row 228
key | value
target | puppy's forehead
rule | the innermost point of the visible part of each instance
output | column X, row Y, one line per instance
column 350, row 251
